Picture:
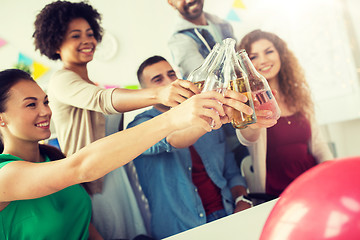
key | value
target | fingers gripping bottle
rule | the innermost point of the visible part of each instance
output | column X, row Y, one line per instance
column 237, row 81
column 199, row 75
column 259, row 86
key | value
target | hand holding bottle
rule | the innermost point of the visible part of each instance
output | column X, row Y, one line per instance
column 264, row 120
column 259, row 86
column 236, row 101
column 265, row 117
column 176, row 92
column 203, row 110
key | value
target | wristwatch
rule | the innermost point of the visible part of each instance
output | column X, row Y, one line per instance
column 244, row 199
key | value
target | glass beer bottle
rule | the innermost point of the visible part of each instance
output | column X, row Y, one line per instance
column 214, row 79
column 199, row 75
column 259, row 86
column 238, row 81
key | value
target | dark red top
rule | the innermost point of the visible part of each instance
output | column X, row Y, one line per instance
column 288, row 153
column 209, row 193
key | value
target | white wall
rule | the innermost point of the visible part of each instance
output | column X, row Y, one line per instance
column 141, row 29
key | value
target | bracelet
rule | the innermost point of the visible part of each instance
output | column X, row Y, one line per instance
column 244, row 199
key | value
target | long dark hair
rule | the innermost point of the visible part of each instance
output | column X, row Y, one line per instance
column 46, row 150
column 52, row 152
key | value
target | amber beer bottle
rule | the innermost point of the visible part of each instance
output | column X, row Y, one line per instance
column 239, row 119
column 200, row 74
column 259, row 86
column 238, row 81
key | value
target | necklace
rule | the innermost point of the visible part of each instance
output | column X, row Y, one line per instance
column 287, row 120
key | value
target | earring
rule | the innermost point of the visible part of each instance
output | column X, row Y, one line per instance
column 2, row 124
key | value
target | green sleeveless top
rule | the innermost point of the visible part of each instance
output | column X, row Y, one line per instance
column 62, row 215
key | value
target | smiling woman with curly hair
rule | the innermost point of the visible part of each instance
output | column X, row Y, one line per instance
column 52, row 23
column 294, row 86
column 292, row 146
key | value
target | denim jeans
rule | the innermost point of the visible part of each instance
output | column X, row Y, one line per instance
column 216, row 215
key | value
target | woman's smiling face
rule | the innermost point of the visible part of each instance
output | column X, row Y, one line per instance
column 27, row 116
column 78, row 46
column 265, row 58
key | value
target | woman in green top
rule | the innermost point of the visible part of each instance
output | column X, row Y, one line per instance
column 39, row 198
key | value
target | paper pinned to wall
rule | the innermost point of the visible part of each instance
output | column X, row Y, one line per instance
column 25, row 59
column 232, row 16
column 39, row 70
column 239, row 4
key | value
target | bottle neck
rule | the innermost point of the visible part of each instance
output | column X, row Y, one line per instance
column 219, row 59
column 228, row 49
column 210, row 59
column 247, row 65
column 229, row 46
column 199, row 73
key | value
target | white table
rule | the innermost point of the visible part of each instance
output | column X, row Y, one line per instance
column 247, row 224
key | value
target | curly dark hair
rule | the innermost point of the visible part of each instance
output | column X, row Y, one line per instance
column 292, row 82
column 52, row 23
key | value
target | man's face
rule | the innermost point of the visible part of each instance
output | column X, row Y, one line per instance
column 158, row 74
column 189, row 9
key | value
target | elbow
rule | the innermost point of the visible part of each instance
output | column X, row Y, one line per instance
column 175, row 142
column 248, row 136
column 84, row 166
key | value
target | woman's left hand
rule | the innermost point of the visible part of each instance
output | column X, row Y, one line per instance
column 235, row 101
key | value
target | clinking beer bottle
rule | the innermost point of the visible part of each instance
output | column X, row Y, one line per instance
column 199, row 75
column 259, row 86
column 237, row 81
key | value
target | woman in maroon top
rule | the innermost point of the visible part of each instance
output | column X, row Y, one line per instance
column 284, row 151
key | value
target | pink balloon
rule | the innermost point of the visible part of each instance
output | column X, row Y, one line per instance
column 322, row 203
